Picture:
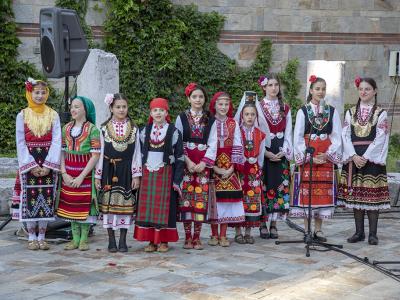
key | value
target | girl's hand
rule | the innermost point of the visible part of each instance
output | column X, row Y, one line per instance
column 321, row 157
column 280, row 155
column 97, row 184
column 36, row 171
column 44, row 171
column 200, row 167
column 190, row 165
column 135, row 183
column 359, row 161
column 67, row 179
column 77, row 181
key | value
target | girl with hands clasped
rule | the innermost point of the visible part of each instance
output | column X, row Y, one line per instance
column 229, row 160
column 363, row 183
column 38, row 137
column 318, row 125
column 276, row 165
column 200, row 148
column 80, row 152
column 118, row 171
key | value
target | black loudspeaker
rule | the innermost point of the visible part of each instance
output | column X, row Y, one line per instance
column 63, row 45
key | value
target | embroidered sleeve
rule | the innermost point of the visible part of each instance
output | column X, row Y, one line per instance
column 348, row 148
column 237, row 148
column 334, row 151
column 95, row 144
column 287, row 147
column 377, row 151
column 99, row 165
column 299, row 145
column 26, row 161
column 211, row 153
column 53, row 157
column 137, row 158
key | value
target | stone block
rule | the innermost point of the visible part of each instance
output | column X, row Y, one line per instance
column 302, row 51
column 95, row 17
column 6, row 191
column 356, row 4
column 8, row 166
column 280, row 52
column 329, row 4
column 230, row 50
column 248, row 51
column 99, row 76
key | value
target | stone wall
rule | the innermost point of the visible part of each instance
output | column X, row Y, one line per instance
column 359, row 32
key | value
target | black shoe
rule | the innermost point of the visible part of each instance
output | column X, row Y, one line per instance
column 357, row 237
column 373, row 239
column 273, row 232
column 264, row 234
column 319, row 236
column 112, row 245
column 122, row 247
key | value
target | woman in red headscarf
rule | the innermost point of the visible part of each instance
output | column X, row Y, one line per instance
column 163, row 164
column 200, row 148
column 229, row 159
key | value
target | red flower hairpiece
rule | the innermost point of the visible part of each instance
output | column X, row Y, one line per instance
column 312, row 78
column 263, row 80
column 190, row 88
column 357, row 81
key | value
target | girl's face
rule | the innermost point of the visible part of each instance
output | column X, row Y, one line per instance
column 39, row 94
column 318, row 91
column 272, row 89
column 222, row 107
column 159, row 115
column 366, row 92
column 196, row 100
column 77, row 110
column 249, row 116
column 119, row 109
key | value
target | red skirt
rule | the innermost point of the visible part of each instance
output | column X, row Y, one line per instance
column 75, row 203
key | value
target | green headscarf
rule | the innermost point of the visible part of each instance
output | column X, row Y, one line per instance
column 89, row 109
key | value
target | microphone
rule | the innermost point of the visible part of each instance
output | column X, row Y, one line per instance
column 321, row 107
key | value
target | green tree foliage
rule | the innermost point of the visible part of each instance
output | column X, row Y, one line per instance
column 13, row 74
column 162, row 47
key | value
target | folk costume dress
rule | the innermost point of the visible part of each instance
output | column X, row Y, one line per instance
column 277, row 174
column 251, row 175
column 228, row 191
column 38, row 138
column 163, row 165
column 79, row 205
column 119, row 162
column 365, row 134
column 199, row 134
column 325, row 137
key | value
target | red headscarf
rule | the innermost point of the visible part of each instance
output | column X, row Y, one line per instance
column 159, row 103
column 214, row 101
column 190, row 88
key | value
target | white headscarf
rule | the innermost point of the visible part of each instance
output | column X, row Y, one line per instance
column 261, row 122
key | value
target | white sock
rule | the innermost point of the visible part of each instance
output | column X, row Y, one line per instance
column 31, row 226
column 42, row 230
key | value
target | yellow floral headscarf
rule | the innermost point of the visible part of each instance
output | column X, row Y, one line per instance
column 29, row 87
column 38, row 117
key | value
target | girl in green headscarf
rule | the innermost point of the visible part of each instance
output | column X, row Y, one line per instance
column 81, row 151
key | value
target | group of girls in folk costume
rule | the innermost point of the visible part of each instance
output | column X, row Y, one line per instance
column 80, row 152
column 163, row 164
column 363, row 184
column 208, row 167
column 118, row 171
column 318, row 126
column 38, row 138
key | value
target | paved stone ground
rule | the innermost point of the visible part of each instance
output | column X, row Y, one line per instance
column 260, row 271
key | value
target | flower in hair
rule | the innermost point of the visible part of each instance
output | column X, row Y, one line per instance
column 109, row 99
column 29, row 84
column 312, row 78
column 357, row 81
column 190, row 88
column 263, row 80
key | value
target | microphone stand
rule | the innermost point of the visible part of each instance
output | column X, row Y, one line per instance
column 308, row 239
